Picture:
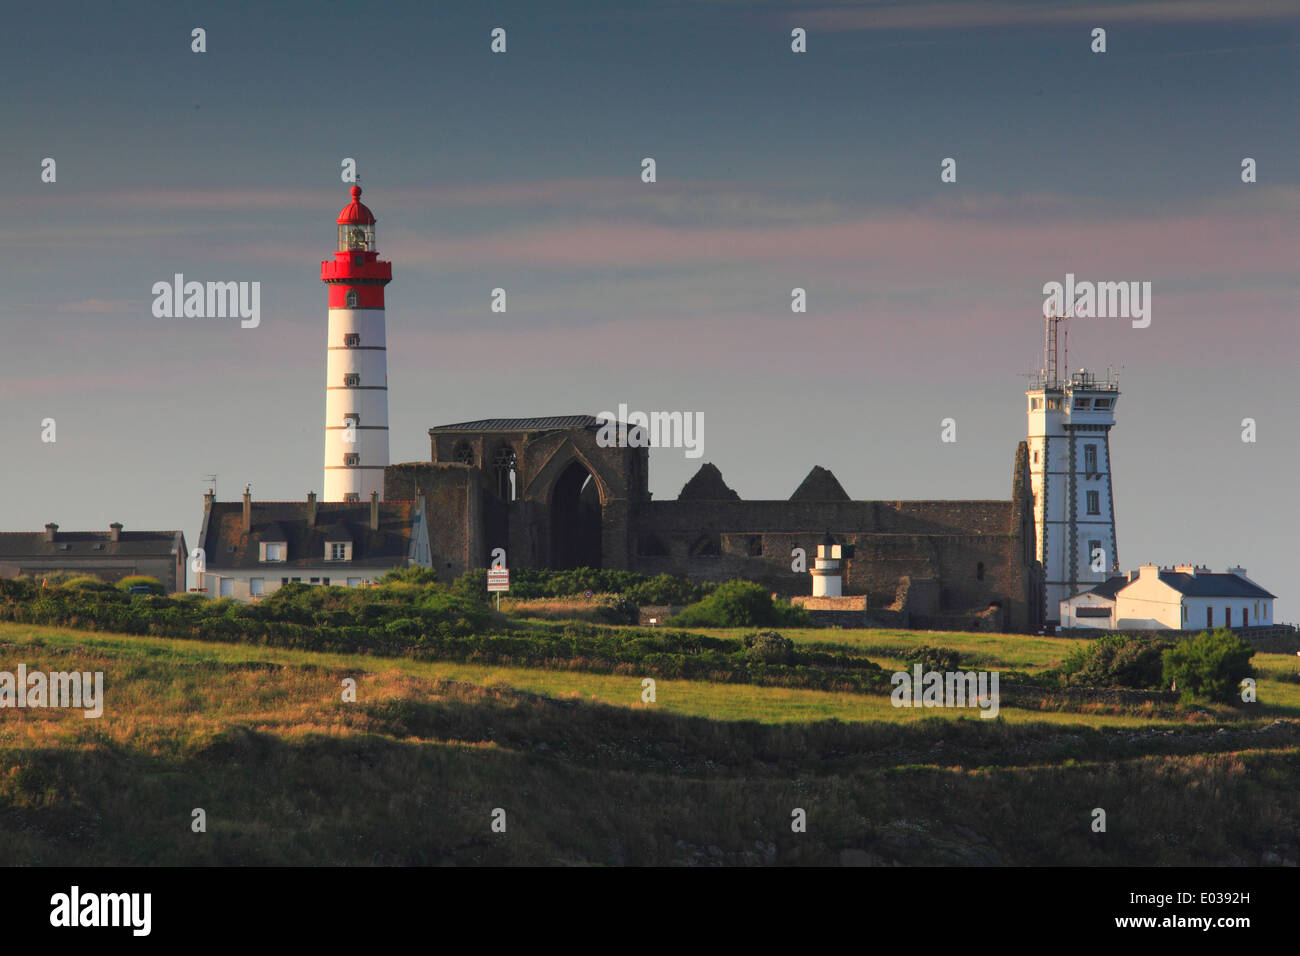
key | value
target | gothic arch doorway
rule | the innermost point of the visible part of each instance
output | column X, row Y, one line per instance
column 575, row 519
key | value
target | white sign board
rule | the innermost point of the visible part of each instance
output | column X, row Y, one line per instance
column 498, row 579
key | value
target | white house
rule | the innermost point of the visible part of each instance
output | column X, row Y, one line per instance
column 251, row 549
column 1093, row 609
column 1184, row 598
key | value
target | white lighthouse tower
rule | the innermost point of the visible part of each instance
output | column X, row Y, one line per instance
column 356, row 386
column 1069, row 466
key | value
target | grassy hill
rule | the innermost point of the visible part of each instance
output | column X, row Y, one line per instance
column 288, row 773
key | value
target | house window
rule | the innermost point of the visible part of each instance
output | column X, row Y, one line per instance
column 325, row 581
column 1184, row 613
column 351, row 300
column 1090, row 459
column 227, row 587
column 1245, row 616
column 1227, row 617
column 315, row 580
column 351, row 380
column 354, row 582
column 257, row 586
column 284, row 581
column 274, row 552
column 352, row 340
column 351, row 460
column 338, row 551
column 1094, row 502
column 1209, row 617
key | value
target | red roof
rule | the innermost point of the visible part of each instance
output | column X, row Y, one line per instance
column 356, row 212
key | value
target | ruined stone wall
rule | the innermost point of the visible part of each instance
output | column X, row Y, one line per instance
column 453, row 496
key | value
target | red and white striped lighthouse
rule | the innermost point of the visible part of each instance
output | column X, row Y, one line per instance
column 356, row 386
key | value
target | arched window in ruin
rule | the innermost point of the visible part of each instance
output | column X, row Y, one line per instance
column 979, row 571
column 463, row 452
column 705, row 546
column 506, row 466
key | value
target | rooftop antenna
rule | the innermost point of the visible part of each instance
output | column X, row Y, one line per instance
column 211, row 480
column 1050, row 352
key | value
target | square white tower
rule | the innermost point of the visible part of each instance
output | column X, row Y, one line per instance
column 1070, row 476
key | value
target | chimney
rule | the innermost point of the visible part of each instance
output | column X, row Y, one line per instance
column 311, row 509
column 208, row 496
column 1240, row 572
column 1187, row 569
column 374, row 511
column 49, row 531
column 1149, row 572
column 1133, row 575
column 115, row 531
column 248, row 510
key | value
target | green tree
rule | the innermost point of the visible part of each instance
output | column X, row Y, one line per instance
column 1209, row 665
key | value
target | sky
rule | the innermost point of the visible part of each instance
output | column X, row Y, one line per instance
column 774, row 170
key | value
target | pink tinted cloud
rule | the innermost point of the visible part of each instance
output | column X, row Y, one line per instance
column 918, row 14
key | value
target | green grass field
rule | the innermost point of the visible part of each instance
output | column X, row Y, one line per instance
column 289, row 773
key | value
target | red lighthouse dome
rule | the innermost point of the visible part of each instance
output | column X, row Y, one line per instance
column 356, row 212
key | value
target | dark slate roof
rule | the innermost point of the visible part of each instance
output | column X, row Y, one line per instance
column 226, row 547
column 820, row 485
column 1206, row 584
column 32, row 544
column 707, row 485
column 551, row 423
column 1110, row 587
column 273, row 533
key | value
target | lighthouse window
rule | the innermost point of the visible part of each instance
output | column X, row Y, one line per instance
column 351, row 460
column 351, row 381
column 351, row 340
column 1090, row 459
column 352, row 299
column 1083, row 403
column 1035, row 404
column 1094, row 502
column 1101, row 403
column 1053, row 404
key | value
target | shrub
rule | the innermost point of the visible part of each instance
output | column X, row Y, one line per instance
column 141, row 581
column 739, row 604
column 472, row 586
column 1117, row 660
column 942, row 659
column 769, row 647
column 1210, row 665
column 617, row 609
column 665, row 589
column 412, row 575
column 87, row 582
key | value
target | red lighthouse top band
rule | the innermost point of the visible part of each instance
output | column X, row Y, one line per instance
column 357, row 267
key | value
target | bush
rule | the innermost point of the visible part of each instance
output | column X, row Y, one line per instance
column 472, row 586
column 617, row 609
column 942, row 659
column 1116, row 660
column 665, row 589
column 141, row 581
column 87, row 582
column 412, row 575
column 1210, row 665
column 739, row 604
column 769, row 647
